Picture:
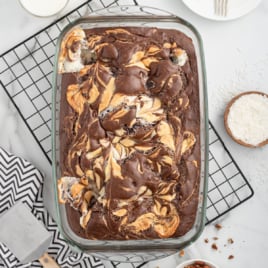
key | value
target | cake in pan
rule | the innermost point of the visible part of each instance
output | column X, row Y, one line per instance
column 129, row 132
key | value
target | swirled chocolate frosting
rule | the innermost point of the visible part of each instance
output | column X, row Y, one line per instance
column 129, row 133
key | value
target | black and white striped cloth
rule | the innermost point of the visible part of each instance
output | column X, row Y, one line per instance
column 20, row 180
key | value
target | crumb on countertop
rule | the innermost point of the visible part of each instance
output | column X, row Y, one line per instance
column 230, row 241
column 214, row 246
column 218, row 226
column 182, row 253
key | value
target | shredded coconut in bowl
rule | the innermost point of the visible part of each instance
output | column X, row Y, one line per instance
column 247, row 118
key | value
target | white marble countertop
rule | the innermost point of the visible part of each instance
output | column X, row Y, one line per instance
column 236, row 55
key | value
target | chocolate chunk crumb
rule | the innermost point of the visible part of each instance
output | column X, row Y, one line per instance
column 218, row 226
column 206, row 240
column 231, row 257
column 214, row 246
column 215, row 238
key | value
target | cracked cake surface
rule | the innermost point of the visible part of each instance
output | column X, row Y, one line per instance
column 129, row 132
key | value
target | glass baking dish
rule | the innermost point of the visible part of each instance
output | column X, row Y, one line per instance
column 134, row 250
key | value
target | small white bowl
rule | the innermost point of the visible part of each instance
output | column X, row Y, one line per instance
column 184, row 264
column 41, row 8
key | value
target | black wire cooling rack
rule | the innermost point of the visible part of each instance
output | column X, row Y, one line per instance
column 26, row 75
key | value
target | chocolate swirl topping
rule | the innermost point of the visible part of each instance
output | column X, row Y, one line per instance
column 130, row 150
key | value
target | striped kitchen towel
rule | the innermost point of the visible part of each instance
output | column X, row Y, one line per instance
column 21, row 181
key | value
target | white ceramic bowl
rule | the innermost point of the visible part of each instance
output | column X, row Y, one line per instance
column 42, row 8
column 184, row 264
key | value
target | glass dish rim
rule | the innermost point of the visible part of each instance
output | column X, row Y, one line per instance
column 136, row 18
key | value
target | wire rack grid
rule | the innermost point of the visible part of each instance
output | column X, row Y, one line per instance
column 26, row 75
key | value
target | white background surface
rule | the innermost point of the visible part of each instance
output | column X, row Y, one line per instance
column 236, row 55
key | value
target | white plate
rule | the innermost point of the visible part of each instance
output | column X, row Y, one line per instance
column 236, row 8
